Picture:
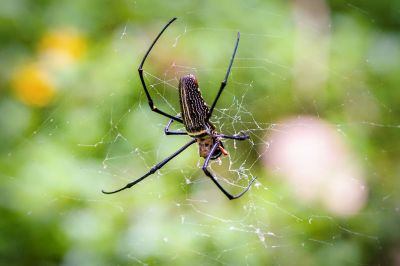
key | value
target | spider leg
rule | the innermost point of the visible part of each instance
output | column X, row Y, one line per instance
column 168, row 132
column 140, row 69
column 241, row 136
column 225, row 81
column 205, row 165
column 153, row 169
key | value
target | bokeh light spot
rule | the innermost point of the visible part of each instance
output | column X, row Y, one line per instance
column 317, row 164
column 33, row 86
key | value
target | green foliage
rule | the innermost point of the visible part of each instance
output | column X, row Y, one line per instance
column 74, row 120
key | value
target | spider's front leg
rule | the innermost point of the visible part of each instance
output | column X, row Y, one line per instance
column 225, row 81
column 208, row 173
column 146, row 91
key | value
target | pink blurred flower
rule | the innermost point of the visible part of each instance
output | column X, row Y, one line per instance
column 316, row 163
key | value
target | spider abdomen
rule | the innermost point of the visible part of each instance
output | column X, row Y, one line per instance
column 194, row 109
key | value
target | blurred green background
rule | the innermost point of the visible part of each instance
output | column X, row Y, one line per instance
column 74, row 120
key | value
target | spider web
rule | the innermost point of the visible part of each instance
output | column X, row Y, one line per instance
column 204, row 213
column 177, row 214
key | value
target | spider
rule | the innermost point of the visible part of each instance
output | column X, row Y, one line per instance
column 195, row 116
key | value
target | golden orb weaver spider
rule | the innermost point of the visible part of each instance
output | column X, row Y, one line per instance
column 195, row 116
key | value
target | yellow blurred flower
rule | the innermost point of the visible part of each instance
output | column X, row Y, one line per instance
column 62, row 47
column 33, row 86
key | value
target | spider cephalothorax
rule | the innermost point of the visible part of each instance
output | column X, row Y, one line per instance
column 195, row 116
column 205, row 145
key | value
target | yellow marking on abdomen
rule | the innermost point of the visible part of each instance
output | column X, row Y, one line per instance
column 198, row 133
